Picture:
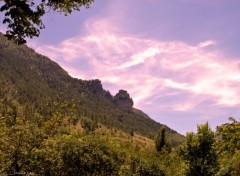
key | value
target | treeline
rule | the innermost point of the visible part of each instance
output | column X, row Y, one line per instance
column 62, row 145
column 206, row 153
column 66, row 145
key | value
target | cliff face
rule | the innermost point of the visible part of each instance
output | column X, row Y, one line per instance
column 123, row 100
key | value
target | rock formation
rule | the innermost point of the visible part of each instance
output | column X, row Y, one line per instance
column 123, row 100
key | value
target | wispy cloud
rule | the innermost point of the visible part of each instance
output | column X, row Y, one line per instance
column 147, row 67
column 140, row 57
column 206, row 44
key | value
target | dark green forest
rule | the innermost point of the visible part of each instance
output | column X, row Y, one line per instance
column 53, row 124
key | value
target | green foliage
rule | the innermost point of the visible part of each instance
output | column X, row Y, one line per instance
column 19, row 140
column 69, row 155
column 150, row 169
column 24, row 17
column 228, row 145
column 93, row 157
column 161, row 141
column 174, row 165
column 199, row 152
column 52, row 148
column 236, row 164
column 228, row 136
column 229, row 165
column 89, row 125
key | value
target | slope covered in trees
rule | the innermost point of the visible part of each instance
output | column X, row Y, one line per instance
column 52, row 124
column 32, row 83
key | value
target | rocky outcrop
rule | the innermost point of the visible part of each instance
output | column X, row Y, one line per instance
column 123, row 101
column 95, row 86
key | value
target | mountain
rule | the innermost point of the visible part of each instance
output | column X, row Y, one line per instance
column 31, row 83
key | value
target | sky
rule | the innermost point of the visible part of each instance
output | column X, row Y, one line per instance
column 178, row 59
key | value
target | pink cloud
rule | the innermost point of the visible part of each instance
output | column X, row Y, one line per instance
column 163, row 77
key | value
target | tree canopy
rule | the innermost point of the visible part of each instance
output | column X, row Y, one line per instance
column 199, row 152
column 24, row 17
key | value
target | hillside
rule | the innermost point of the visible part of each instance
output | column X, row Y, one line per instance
column 32, row 83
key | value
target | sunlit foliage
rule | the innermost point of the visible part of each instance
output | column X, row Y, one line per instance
column 199, row 152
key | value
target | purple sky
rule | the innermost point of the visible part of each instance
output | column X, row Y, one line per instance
column 179, row 59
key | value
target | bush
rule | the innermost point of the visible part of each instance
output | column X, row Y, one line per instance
column 150, row 169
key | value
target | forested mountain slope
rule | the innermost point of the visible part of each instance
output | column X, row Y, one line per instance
column 31, row 83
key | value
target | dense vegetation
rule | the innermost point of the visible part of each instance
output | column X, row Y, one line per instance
column 60, row 146
column 52, row 124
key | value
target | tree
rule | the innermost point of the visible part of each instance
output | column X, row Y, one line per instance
column 71, row 155
column 199, row 152
column 18, row 143
column 161, row 140
column 229, row 135
column 228, row 145
column 24, row 16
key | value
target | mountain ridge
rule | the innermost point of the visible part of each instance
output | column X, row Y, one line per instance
column 32, row 81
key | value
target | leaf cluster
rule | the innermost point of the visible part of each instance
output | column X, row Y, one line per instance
column 199, row 152
column 24, row 17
